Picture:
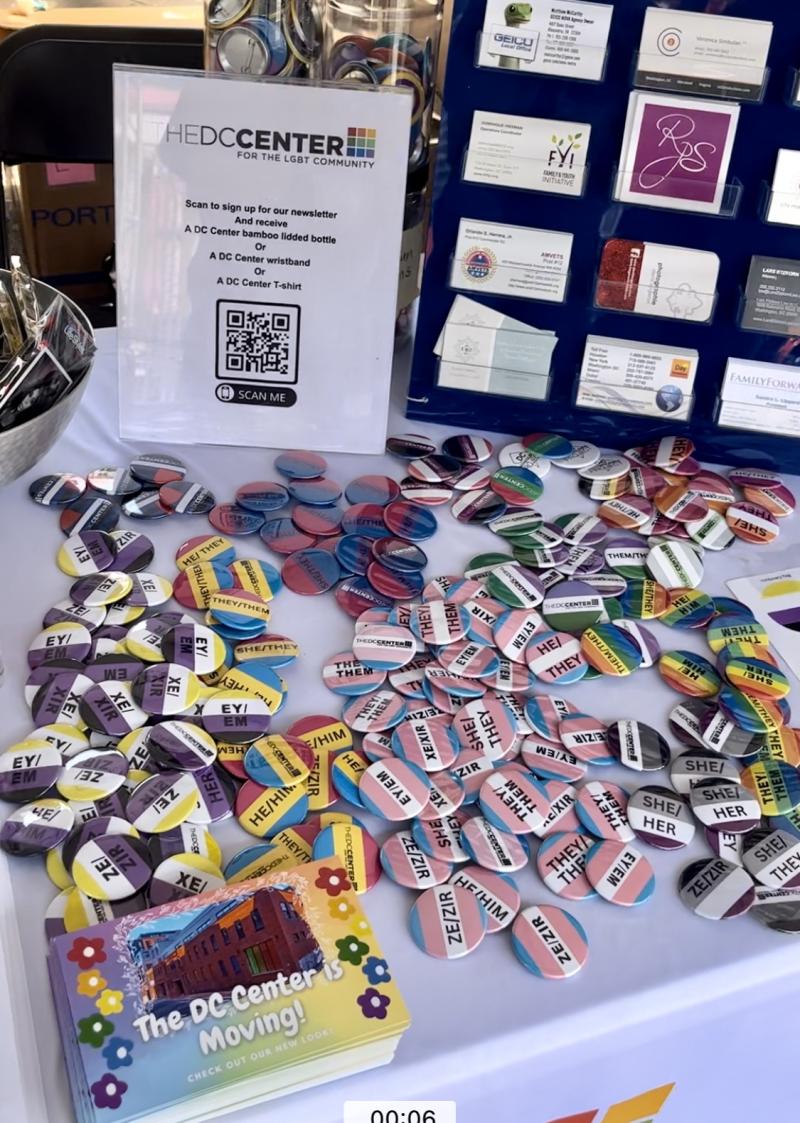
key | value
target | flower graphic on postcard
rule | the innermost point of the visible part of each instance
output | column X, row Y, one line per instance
column 681, row 153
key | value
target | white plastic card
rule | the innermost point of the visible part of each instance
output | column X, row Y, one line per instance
column 258, row 232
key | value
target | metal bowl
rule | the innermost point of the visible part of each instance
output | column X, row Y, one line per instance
column 26, row 444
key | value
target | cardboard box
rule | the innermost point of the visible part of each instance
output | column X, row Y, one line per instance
column 65, row 219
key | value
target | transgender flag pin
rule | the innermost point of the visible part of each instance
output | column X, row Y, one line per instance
column 549, row 941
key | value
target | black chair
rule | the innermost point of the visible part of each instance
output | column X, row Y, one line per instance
column 56, row 94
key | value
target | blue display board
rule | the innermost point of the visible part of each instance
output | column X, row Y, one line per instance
column 764, row 127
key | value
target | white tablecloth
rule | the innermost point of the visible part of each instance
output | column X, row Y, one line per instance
column 665, row 997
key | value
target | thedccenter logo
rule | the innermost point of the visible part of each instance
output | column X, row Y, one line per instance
column 356, row 149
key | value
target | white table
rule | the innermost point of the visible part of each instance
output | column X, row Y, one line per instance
column 665, row 997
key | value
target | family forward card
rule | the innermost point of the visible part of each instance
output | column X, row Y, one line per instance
column 511, row 260
column 676, row 152
column 528, row 153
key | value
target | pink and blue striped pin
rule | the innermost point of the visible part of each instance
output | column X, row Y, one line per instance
column 620, row 873
column 448, row 922
column 549, row 942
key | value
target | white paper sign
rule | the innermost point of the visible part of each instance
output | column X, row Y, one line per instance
column 258, row 237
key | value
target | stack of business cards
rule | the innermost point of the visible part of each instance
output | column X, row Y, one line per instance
column 511, row 260
column 655, row 280
column 784, row 199
column 772, row 296
column 676, row 153
column 762, row 397
column 488, row 353
column 698, row 53
column 528, row 153
column 639, row 378
column 548, row 37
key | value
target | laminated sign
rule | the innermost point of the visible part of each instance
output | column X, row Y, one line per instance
column 258, row 235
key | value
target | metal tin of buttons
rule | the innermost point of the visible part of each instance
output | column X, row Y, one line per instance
column 716, row 889
column 254, row 46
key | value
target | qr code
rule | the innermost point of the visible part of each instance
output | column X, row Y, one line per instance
column 257, row 342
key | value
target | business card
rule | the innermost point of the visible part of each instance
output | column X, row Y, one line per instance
column 759, row 419
column 493, row 380
column 626, row 363
column 784, row 200
column 766, row 385
column 676, row 152
column 772, row 296
column 511, row 260
column 529, row 153
column 569, row 40
column 619, row 399
column 697, row 53
column 528, row 352
column 655, row 280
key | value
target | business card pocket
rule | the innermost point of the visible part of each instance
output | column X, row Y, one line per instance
column 654, row 188
column 517, row 50
column 558, row 174
column 732, row 81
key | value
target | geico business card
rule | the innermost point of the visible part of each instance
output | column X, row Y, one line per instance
column 568, row 39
